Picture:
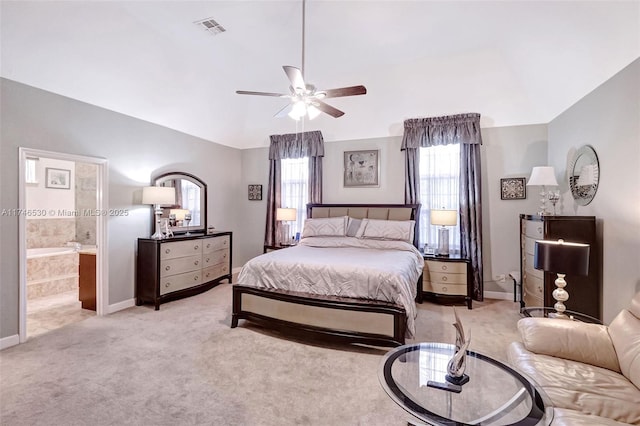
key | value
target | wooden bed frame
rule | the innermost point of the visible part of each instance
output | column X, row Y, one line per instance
column 331, row 317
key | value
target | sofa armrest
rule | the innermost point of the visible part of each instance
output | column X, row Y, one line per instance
column 577, row 341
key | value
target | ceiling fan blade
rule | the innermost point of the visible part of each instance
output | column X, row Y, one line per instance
column 295, row 77
column 345, row 91
column 284, row 111
column 327, row 109
column 247, row 92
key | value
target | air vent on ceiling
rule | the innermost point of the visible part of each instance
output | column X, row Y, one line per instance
column 211, row 26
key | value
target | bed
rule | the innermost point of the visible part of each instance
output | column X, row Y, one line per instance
column 356, row 288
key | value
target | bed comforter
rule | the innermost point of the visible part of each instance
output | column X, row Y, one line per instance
column 342, row 266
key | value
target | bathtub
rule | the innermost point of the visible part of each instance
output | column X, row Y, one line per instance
column 51, row 270
column 35, row 253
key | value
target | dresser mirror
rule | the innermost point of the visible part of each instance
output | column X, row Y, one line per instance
column 189, row 213
column 584, row 175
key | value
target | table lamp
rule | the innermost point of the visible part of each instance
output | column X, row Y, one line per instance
column 544, row 176
column 443, row 218
column 158, row 195
column 285, row 215
column 562, row 258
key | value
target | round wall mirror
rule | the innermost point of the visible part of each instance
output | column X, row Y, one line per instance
column 584, row 175
column 189, row 213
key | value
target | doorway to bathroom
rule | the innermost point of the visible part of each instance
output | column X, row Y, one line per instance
column 62, row 223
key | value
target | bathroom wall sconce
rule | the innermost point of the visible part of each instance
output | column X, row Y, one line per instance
column 158, row 195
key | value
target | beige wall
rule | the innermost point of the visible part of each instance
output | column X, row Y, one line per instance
column 608, row 119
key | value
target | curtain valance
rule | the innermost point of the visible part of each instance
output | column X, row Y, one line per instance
column 296, row 145
column 424, row 132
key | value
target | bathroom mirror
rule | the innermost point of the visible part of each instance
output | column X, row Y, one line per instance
column 189, row 213
column 584, row 175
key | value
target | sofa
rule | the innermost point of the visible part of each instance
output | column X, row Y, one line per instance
column 590, row 372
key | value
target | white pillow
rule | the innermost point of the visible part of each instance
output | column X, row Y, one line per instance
column 399, row 230
column 325, row 227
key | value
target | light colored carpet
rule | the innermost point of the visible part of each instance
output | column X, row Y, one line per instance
column 184, row 365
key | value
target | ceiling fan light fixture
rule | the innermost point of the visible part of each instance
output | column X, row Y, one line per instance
column 312, row 112
column 298, row 111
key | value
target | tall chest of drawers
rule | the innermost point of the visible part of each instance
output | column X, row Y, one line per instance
column 181, row 266
column 585, row 292
column 446, row 279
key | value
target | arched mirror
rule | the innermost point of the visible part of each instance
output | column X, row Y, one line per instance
column 584, row 175
column 189, row 213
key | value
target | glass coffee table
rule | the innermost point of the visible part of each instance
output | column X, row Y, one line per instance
column 539, row 311
column 496, row 394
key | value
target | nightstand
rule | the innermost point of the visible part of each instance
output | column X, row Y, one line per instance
column 447, row 279
column 268, row 248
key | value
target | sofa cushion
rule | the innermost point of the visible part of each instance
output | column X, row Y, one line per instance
column 625, row 335
column 577, row 341
column 564, row 417
column 573, row 385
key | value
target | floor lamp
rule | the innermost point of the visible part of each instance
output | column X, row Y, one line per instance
column 443, row 218
column 285, row 215
column 562, row 258
column 157, row 195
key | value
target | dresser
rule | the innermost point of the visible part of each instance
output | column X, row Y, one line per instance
column 447, row 279
column 181, row 266
column 585, row 292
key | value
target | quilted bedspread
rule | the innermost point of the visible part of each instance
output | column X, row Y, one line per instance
column 342, row 266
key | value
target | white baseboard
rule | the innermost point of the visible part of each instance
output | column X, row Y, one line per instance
column 501, row 295
column 7, row 342
column 121, row 305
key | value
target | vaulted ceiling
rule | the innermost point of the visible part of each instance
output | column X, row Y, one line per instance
column 514, row 62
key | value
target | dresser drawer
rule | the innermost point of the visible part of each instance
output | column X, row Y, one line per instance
column 440, row 288
column 213, row 258
column 181, row 281
column 180, row 265
column 180, row 249
column 533, row 285
column 215, row 271
column 453, row 267
column 216, row 243
column 533, row 229
column 529, row 269
column 531, row 300
column 443, row 278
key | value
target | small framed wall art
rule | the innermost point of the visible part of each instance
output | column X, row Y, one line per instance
column 361, row 168
column 513, row 188
column 57, row 178
column 255, row 192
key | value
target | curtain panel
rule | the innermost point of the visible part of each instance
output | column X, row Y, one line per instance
column 292, row 145
column 463, row 129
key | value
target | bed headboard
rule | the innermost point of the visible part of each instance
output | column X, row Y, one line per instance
column 370, row 211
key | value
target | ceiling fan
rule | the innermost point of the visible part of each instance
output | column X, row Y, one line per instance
column 306, row 100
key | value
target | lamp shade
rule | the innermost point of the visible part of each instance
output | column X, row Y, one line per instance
column 561, row 257
column 587, row 175
column 158, row 195
column 179, row 213
column 286, row 214
column 544, row 175
column 444, row 217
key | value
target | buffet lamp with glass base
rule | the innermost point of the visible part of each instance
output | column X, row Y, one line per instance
column 157, row 196
column 443, row 218
column 562, row 258
column 285, row 215
column 544, row 176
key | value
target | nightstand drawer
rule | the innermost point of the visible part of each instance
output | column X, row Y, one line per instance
column 180, row 281
column 453, row 267
column 443, row 278
column 180, row 249
column 180, row 265
column 440, row 288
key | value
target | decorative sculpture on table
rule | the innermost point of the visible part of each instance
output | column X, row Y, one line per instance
column 458, row 363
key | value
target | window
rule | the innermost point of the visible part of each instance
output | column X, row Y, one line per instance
column 439, row 187
column 30, row 170
column 294, row 188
